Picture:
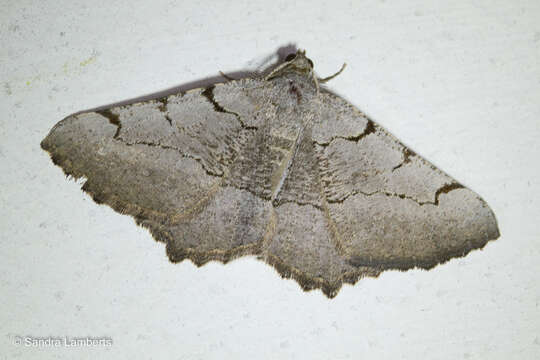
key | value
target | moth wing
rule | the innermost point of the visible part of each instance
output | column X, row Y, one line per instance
column 393, row 209
column 301, row 240
column 163, row 162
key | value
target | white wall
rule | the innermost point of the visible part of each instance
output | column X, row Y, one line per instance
column 459, row 82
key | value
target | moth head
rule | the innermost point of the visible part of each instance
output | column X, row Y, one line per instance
column 300, row 62
column 296, row 63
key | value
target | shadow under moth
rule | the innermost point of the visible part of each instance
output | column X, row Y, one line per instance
column 277, row 167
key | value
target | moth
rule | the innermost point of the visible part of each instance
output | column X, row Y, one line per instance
column 277, row 167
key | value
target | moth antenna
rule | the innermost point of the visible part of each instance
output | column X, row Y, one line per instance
column 226, row 76
column 326, row 79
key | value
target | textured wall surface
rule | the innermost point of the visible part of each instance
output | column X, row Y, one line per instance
column 457, row 83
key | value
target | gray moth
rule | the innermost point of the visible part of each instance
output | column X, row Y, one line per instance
column 277, row 167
